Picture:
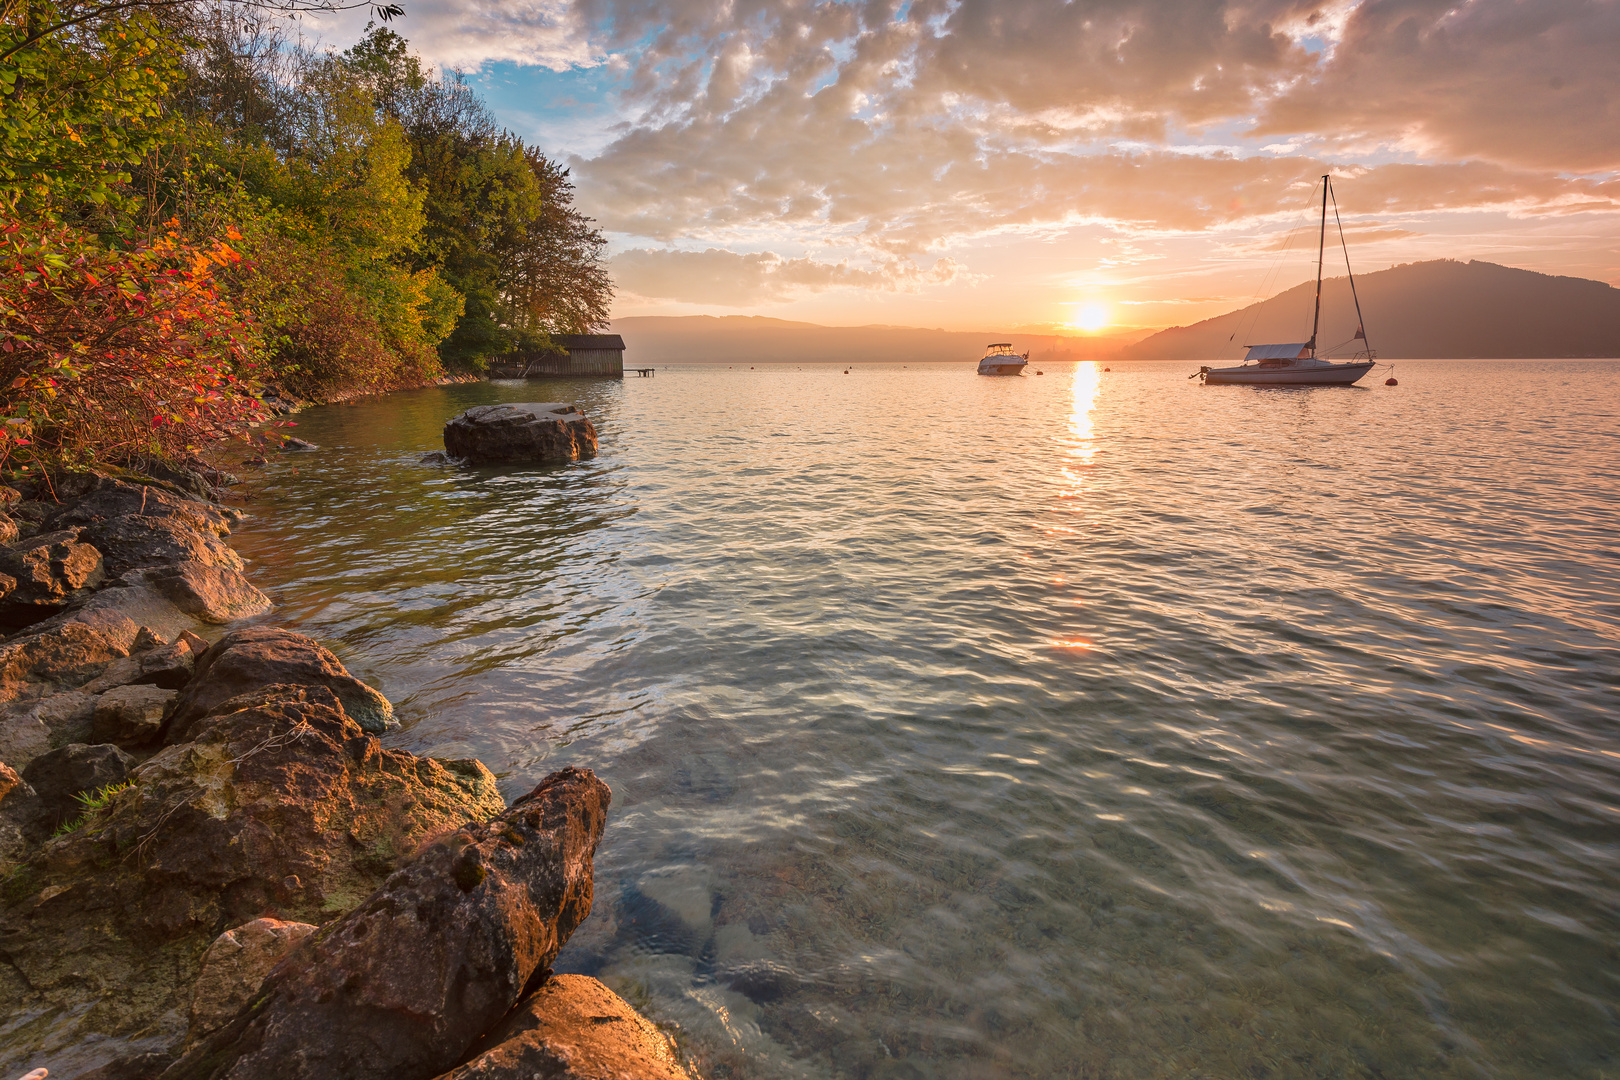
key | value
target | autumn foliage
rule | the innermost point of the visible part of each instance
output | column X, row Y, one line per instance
column 111, row 352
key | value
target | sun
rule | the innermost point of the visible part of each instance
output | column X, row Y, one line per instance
column 1092, row 316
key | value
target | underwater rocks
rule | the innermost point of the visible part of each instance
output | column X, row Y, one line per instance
column 544, row 433
column 405, row 984
column 572, row 1028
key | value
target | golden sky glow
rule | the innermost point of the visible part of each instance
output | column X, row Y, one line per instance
column 962, row 163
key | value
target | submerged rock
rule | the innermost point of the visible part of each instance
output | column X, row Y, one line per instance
column 538, row 432
column 405, row 984
column 573, row 1028
column 248, row 660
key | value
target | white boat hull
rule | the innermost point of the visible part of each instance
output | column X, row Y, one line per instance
column 1254, row 375
column 1014, row 368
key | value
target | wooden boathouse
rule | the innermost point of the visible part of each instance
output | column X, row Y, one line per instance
column 588, row 354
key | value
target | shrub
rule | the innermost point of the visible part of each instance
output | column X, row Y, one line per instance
column 108, row 352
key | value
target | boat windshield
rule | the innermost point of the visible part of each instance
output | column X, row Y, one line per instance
column 1001, row 348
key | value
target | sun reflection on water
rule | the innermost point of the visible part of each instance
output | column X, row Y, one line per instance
column 1079, row 442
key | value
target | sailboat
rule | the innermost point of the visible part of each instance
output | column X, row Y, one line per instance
column 1297, row 363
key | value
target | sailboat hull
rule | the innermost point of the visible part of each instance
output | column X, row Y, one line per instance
column 1252, row 375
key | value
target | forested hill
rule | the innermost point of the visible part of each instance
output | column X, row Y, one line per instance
column 1427, row 310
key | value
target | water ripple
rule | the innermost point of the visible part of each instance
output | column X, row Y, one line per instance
column 1096, row 724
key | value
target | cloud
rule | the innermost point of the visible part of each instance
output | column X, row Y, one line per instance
column 899, row 135
column 467, row 34
column 1527, row 84
column 730, row 279
column 895, row 132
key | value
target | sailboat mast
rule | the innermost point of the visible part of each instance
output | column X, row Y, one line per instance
column 1321, row 245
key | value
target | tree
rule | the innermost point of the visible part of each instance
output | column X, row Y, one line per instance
column 556, row 279
column 80, row 104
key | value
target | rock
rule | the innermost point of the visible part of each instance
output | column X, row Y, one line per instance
column 99, row 499
column 31, row 728
column 19, row 804
column 134, row 1067
column 130, row 715
column 279, row 803
column 234, row 966
column 545, row 433
column 73, row 770
column 214, row 594
column 198, row 644
column 288, row 443
column 438, row 457
column 573, row 1028
column 8, row 529
column 178, row 540
column 406, row 983
column 51, row 657
column 247, row 660
column 9, row 496
column 51, row 571
column 167, row 666
column 9, row 781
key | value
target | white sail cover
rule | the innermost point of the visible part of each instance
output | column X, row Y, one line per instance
column 1294, row 351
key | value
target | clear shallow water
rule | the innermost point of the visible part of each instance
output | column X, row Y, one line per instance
column 1084, row 725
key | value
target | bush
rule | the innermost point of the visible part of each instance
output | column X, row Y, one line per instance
column 108, row 353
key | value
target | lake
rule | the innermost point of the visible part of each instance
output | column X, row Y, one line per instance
column 1089, row 724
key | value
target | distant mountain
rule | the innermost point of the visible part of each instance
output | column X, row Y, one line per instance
column 1428, row 310
column 751, row 339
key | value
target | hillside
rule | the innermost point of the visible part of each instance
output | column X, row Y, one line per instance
column 747, row 339
column 1428, row 310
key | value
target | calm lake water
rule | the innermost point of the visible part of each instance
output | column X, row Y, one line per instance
column 1091, row 724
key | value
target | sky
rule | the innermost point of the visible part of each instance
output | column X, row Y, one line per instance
column 1084, row 166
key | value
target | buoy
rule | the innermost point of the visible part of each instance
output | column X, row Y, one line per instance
column 1040, row 373
column 1391, row 381
column 1108, row 369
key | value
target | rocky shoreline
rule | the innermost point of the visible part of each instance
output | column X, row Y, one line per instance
column 211, row 867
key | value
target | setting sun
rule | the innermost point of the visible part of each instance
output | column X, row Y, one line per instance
column 1092, row 317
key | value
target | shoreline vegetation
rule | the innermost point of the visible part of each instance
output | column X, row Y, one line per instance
column 210, row 866
column 202, row 217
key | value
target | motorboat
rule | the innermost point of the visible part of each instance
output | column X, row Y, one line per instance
column 1298, row 363
column 999, row 359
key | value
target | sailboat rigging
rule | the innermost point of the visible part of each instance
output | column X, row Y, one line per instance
column 1297, row 363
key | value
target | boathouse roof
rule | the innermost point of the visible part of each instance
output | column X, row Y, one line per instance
column 589, row 341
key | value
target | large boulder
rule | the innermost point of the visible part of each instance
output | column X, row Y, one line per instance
column 250, row 659
column 573, row 1028
column 402, row 987
column 280, row 802
column 547, row 433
